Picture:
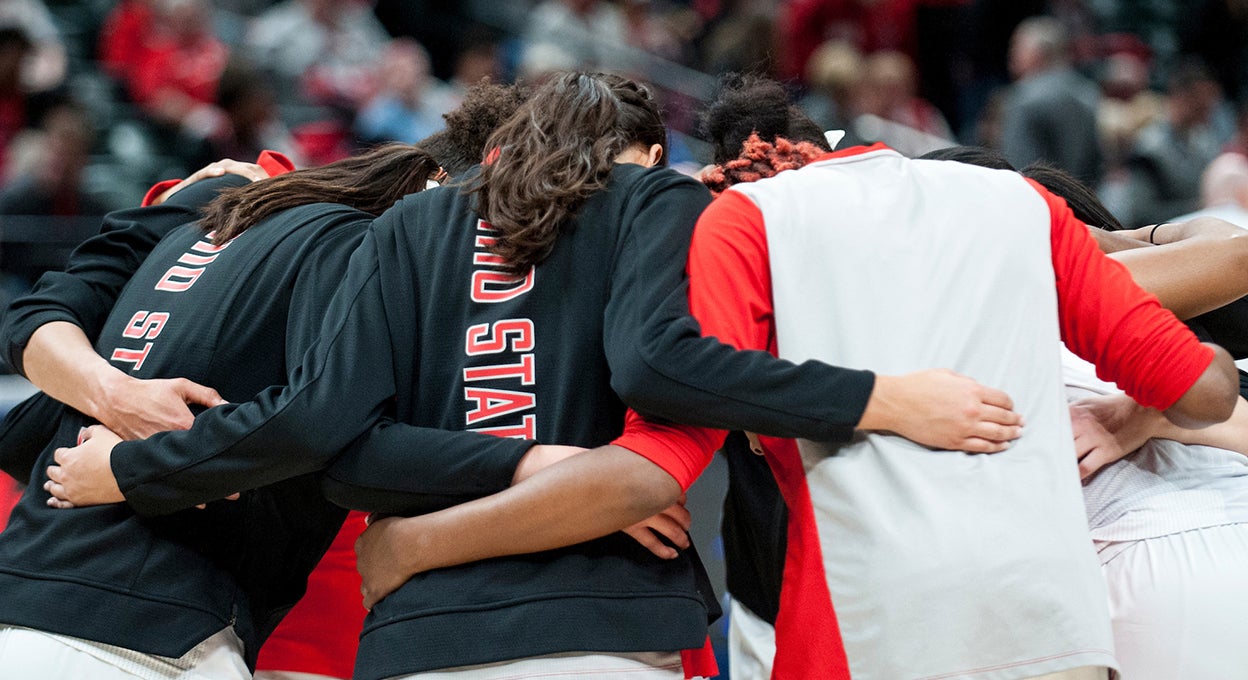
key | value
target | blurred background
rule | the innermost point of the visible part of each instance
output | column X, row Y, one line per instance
column 99, row 100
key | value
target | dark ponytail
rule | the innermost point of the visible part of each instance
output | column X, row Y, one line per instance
column 370, row 182
column 554, row 153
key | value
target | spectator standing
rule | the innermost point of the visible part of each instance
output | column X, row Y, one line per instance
column 330, row 49
column 1050, row 112
column 48, row 164
column 1163, row 171
column 15, row 46
column 411, row 102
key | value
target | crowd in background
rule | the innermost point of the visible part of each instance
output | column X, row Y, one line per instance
column 100, row 99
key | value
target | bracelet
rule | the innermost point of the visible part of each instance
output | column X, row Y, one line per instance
column 1154, row 231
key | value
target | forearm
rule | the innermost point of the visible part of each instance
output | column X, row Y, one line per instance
column 1195, row 269
column 1116, row 241
column 1212, row 398
column 404, row 469
column 1231, row 435
column 60, row 360
column 590, row 495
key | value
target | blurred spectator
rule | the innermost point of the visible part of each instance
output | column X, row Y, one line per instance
column 1050, row 112
column 834, row 72
column 251, row 122
column 329, row 48
column 1128, row 106
column 47, row 168
column 1215, row 31
column 45, row 68
column 1223, row 191
column 411, row 102
column 591, row 32
column 123, row 37
column 15, row 47
column 176, row 67
column 649, row 31
column 478, row 60
column 870, row 25
column 742, row 41
column 888, row 90
column 1163, row 172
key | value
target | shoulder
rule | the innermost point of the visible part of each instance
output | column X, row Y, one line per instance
column 637, row 187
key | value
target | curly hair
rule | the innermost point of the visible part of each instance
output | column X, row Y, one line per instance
column 760, row 159
column 557, row 150
column 486, row 106
column 753, row 104
column 370, row 182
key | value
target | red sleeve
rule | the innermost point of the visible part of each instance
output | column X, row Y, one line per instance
column 730, row 295
column 157, row 189
column 681, row 450
column 730, row 274
column 273, row 162
column 1110, row 321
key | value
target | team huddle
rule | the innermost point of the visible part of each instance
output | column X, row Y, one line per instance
column 519, row 348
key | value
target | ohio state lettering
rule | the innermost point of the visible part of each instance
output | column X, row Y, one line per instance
column 191, row 265
column 143, row 325
column 509, row 344
column 490, row 283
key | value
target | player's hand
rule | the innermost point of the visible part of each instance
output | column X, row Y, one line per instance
column 541, row 456
column 225, row 166
column 379, row 557
column 137, row 409
column 83, row 475
column 943, row 410
column 672, row 524
column 1108, row 428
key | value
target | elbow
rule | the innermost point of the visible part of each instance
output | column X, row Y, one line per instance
column 650, row 489
column 1211, row 399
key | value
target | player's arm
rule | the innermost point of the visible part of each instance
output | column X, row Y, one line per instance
column 336, row 392
column 1125, row 332
column 48, row 330
column 1108, row 428
column 394, row 470
column 1197, row 266
column 675, row 373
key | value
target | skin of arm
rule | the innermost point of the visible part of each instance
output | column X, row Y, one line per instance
column 621, row 487
column 1108, row 428
column 60, row 361
column 1196, row 267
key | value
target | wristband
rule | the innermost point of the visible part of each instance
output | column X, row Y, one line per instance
column 1154, row 231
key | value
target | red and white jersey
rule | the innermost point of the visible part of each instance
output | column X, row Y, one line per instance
column 903, row 562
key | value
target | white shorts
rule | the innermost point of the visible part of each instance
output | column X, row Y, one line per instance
column 1178, row 605
column 751, row 643
column 27, row 654
column 752, row 649
column 599, row 666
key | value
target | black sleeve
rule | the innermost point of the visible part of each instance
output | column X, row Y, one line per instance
column 337, row 393
column 344, row 384
column 662, row 366
column 25, row 433
column 394, row 470
column 99, row 268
